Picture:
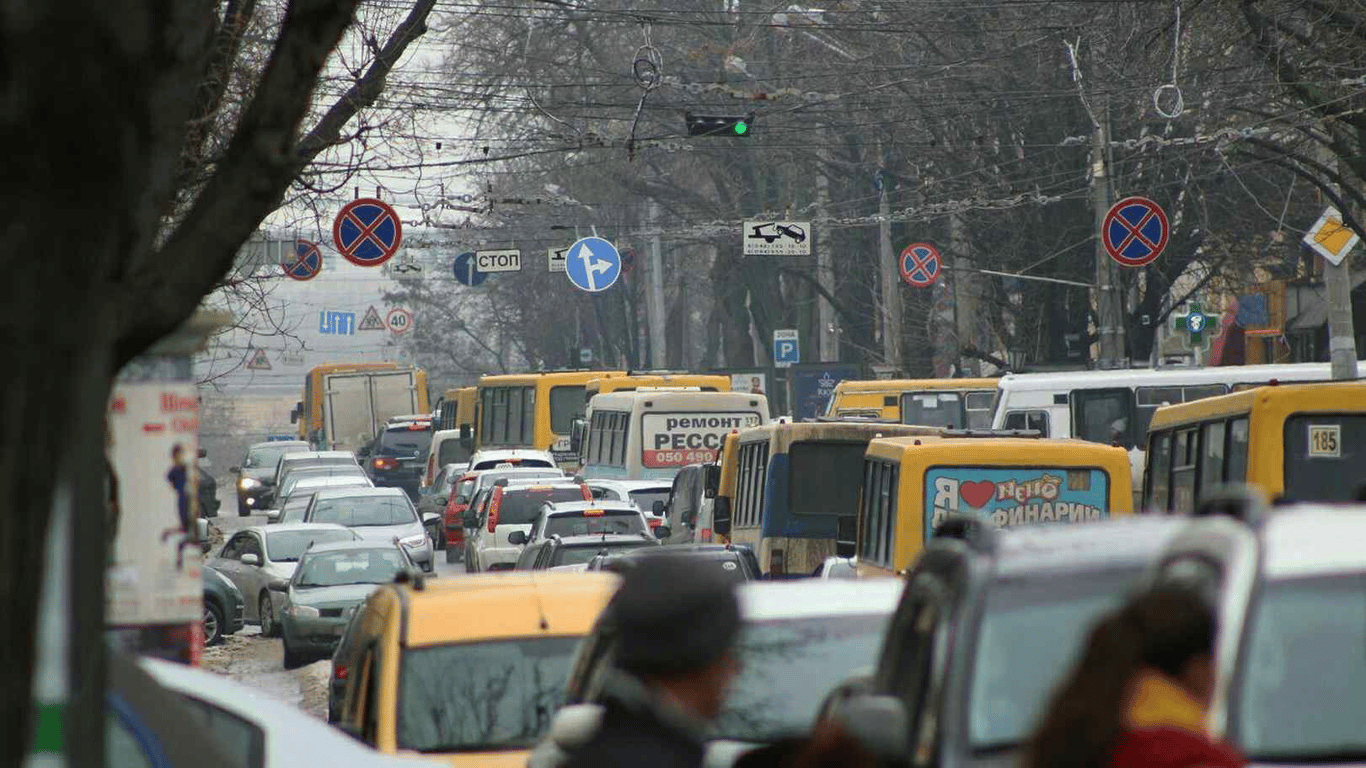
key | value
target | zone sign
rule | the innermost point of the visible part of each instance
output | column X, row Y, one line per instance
column 498, row 261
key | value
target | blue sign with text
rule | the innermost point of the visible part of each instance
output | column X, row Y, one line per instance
column 337, row 323
column 813, row 384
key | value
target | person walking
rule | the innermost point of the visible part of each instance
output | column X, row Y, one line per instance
column 1140, row 693
column 676, row 627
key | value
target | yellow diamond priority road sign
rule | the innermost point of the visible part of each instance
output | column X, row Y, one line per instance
column 1330, row 237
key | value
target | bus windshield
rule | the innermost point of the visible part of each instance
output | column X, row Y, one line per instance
column 933, row 409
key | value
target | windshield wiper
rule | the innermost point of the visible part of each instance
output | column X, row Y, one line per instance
column 995, row 747
column 491, row 746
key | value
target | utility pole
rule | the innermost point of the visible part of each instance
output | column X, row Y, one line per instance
column 1109, row 312
column 654, row 301
column 1337, row 279
column 825, row 274
column 891, row 283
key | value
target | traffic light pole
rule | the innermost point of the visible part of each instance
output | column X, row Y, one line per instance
column 891, row 284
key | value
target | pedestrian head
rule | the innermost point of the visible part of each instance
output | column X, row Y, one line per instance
column 677, row 625
column 1169, row 630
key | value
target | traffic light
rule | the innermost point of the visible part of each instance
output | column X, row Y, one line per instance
column 736, row 126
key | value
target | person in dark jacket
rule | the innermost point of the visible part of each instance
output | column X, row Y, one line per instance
column 676, row 627
column 1138, row 698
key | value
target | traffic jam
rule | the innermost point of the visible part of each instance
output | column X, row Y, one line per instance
column 1077, row 574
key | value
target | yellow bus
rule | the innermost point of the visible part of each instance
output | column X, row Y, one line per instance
column 796, row 489
column 1296, row 442
column 533, row 410
column 706, row 382
column 455, row 409
column 950, row 403
column 912, row 484
column 345, row 404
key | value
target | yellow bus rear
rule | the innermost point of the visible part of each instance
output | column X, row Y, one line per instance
column 706, row 382
column 1295, row 442
column 533, row 410
column 912, row 484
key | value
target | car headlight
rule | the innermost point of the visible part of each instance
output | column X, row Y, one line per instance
column 247, row 483
column 302, row 611
column 416, row 540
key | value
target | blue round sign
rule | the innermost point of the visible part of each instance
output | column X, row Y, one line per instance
column 593, row 264
column 467, row 272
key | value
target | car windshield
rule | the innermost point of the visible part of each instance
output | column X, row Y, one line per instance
column 581, row 554
column 521, row 506
column 364, row 510
column 1031, row 632
column 646, row 498
column 322, row 480
column 610, row 521
column 288, row 546
column 292, row 511
column 405, row 442
column 474, row 697
column 363, row 566
column 268, row 456
column 768, row 701
column 1305, row 653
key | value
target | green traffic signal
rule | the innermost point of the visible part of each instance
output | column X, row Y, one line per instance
column 741, row 127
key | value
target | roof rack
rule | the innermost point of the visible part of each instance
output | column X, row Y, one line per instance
column 975, row 532
column 1030, row 433
column 1239, row 501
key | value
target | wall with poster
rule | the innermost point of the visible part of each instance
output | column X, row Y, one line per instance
column 153, row 589
column 757, row 381
column 814, row 383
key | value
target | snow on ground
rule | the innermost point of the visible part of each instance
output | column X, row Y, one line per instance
column 256, row 661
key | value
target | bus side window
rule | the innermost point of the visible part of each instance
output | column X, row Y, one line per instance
column 1237, row 450
column 1159, row 472
column 1212, row 455
column 979, row 408
column 1035, row 420
column 1184, row 457
column 1104, row 416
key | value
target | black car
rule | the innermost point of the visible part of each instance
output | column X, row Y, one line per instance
column 578, row 550
column 398, row 456
column 223, row 606
column 256, row 475
column 989, row 623
column 736, row 560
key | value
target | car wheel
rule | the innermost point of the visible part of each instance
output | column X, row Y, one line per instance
column 293, row 660
column 452, row 555
column 266, row 612
column 213, row 623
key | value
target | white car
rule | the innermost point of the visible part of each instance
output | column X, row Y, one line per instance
column 643, row 492
column 265, row 731
column 508, row 458
column 510, row 507
column 306, row 485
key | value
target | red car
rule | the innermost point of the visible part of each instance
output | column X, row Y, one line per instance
column 462, row 491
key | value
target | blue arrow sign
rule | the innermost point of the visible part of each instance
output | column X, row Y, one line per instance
column 467, row 272
column 593, row 264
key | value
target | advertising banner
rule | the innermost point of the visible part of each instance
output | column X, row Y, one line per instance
column 814, row 383
column 679, row 439
column 1011, row 496
column 154, row 576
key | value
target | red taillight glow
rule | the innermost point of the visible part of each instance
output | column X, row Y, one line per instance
column 655, row 522
column 384, row 463
column 340, row 671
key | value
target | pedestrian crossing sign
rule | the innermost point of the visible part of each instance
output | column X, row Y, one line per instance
column 258, row 361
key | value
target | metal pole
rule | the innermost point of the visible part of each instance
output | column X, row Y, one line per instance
column 825, row 273
column 891, row 287
column 1337, row 279
column 1107, row 304
column 654, row 304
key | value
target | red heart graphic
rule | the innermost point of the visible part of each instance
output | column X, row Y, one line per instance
column 978, row 493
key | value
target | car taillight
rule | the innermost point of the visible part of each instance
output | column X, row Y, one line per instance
column 655, row 522
column 587, row 493
column 384, row 463
column 340, row 671
column 705, row 534
column 493, row 508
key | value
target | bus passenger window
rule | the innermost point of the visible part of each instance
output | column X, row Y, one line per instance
column 1184, row 457
column 1032, row 420
column 1212, row 455
column 1104, row 416
column 979, row 407
column 1159, row 472
column 1237, row 450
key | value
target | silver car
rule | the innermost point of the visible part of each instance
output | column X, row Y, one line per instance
column 256, row 556
column 331, row 580
column 375, row 514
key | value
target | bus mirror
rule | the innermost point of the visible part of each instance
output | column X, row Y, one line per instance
column 576, row 436
column 296, row 413
column 658, row 507
column 720, row 516
column 466, row 437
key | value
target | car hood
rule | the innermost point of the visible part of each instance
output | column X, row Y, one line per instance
column 277, row 570
column 259, row 473
column 388, row 532
column 340, row 596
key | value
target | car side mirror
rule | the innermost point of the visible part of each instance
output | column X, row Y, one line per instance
column 877, row 722
column 278, row 585
column 720, row 515
column 662, row 531
column 517, row 537
column 431, row 518
column 201, row 529
column 273, row 515
column 658, row 507
column 468, row 520
column 250, row 559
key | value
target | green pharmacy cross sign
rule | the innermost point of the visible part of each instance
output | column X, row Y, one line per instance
column 1198, row 326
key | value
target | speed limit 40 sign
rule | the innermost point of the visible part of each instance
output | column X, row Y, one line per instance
column 399, row 320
